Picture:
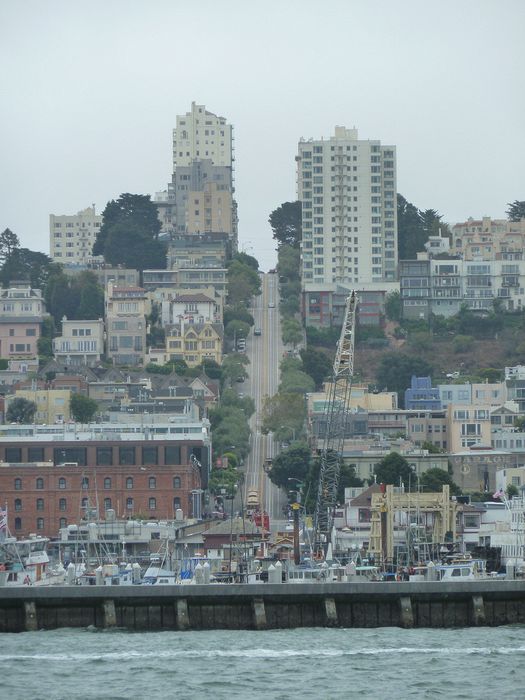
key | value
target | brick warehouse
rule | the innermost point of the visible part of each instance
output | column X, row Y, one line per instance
column 49, row 475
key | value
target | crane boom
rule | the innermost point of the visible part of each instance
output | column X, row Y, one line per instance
column 336, row 420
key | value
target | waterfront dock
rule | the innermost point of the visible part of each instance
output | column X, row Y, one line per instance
column 263, row 606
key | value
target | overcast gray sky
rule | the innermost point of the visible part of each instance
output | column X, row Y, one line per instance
column 90, row 91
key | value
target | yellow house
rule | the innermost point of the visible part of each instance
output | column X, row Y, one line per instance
column 194, row 342
column 52, row 405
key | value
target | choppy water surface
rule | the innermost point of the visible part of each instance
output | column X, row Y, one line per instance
column 315, row 663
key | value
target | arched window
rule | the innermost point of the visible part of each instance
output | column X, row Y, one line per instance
column 176, row 482
column 176, row 503
column 62, row 504
column 18, row 504
column 40, row 523
column 62, row 522
column 153, row 504
column 18, row 523
column 18, row 484
column 40, row 504
column 152, row 482
column 107, row 503
column 61, row 483
column 129, row 504
column 107, row 482
column 129, row 482
column 40, row 483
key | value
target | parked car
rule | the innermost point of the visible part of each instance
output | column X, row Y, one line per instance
column 257, row 331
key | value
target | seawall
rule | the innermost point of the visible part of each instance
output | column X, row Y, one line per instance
column 263, row 606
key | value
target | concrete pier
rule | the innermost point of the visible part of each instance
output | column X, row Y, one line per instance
column 264, row 606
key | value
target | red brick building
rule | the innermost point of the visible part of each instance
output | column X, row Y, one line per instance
column 48, row 483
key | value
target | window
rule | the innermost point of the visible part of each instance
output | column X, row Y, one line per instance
column 40, row 523
column 13, row 454
column 129, row 503
column 126, row 455
column 18, row 523
column 129, row 482
column 62, row 483
column 176, row 503
column 18, row 484
column 35, row 454
column 40, row 504
column 107, row 503
column 104, row 456
column 62, row 522
column 39, row 483
column 176, row 482
column 152, row 482
column 62, row 504
column 107, row 482
column 18, row 504
column 152, row 503
column 150, row 455
column 85, row 482
column 172, row 455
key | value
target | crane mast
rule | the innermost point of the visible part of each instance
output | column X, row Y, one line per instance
column 336, row 421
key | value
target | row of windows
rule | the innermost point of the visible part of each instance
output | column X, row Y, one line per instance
column 62, row 503
column 62, row 483
column 127, row 455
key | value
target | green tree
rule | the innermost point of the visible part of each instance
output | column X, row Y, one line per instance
column 393, row 306
column 248, row 260
column 237, row 313
column 411, row 234
column 8, row 243
column 236, row 329
column 21, row 410
column 512, row 491
column 516, row 210
column 433, row 480
column 25, row 264
column 44, row 348
column 430, row 222
column 289, row 263
column 392, row 469
column 297, row 382
column 395, row 372
column 431, row 448
column 83, row 409
column 91, row 302
column 286, row 224
column 234, row 366
column 243, row 283
column 292, row 332
column 284, row 415
column 292, row 463
column 211, row 368
column 129, row 233
column 317, row 364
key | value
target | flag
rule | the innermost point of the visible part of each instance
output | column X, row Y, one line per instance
column 3, row 519
column 499, row 493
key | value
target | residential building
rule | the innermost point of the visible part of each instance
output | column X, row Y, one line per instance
column 194, row 342
column 192, row 307
column 49, row 475
column 188, row 278
column 199, row 197
column 204, row 250
column 81, row 342
column 52, row 405
column 347, row 189
column 428, row 426
column 489, row 239
column 421, row 395
column 71, row 237
column 22, row 311
column 126, row 324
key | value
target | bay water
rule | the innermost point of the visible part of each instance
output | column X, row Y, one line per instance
column 379, row 663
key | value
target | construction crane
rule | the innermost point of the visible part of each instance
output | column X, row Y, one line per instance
column 336, row 421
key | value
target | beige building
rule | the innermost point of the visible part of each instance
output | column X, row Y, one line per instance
column 71, row 237
column 126, row 309
column 209, row 210
column 81, row 342
column 489, row 239
column 52, row 405
column 194, row 342
column 22, row 311
column 202, row 134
